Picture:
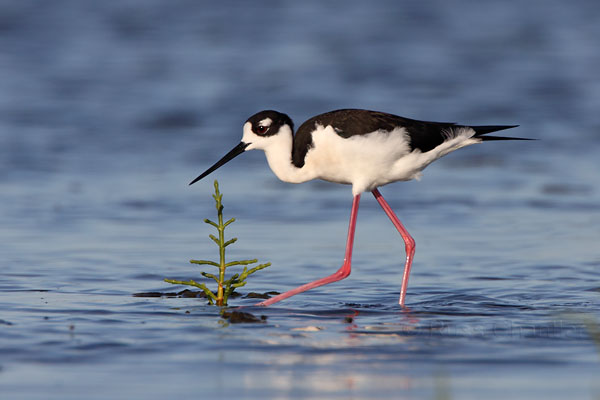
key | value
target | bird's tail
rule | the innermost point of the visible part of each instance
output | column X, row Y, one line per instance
column 485, row 129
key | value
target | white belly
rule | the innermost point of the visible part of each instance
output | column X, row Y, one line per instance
column 372, row 160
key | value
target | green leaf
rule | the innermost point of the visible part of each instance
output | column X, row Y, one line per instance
column 208, row 221
column 195, row 284
column 243, row 262
column 239, row 284
column 232, row 279
column 228, row 222
column 209, row 293
column 212, row 276
column 205, row 262
column 259, row 267
column 231, row 241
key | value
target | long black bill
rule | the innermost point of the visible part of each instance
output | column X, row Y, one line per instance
column 236, row 151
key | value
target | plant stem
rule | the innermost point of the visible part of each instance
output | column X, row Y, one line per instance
column 221, row 228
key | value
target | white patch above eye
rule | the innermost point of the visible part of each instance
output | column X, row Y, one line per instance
column 266, row 122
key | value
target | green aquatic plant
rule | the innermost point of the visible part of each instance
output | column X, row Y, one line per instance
column 589, row 323
column 224, row 287
column 593, row 328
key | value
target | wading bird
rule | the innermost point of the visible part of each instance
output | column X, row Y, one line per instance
column 365, row 149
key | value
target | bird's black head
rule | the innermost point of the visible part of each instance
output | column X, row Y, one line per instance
column 268, row 122
column 258, row 130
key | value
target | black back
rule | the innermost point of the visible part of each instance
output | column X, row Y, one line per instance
column 422, row 135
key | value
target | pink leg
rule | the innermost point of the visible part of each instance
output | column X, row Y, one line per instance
column 409, row 242
column 342, row 273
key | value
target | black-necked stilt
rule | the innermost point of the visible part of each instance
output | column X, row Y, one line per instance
column 365, row 149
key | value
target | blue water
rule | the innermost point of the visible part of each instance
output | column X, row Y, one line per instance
column 109, row 109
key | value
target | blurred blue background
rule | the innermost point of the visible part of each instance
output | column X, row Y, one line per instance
column 108, row 109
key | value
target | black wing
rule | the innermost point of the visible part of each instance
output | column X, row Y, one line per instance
column 421, row 135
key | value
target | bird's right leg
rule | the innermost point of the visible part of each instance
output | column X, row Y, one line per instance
column 409, row 242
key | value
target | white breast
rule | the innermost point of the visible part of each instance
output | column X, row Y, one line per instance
column 374, row 159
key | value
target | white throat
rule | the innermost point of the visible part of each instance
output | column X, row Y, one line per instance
column 278, row 150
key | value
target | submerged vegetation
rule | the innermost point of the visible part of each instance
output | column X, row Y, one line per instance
column 225, row 287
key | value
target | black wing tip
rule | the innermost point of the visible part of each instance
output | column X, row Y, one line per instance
column 485, row 129
column 489, row 138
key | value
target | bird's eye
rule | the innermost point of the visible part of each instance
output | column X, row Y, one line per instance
column 261, row 129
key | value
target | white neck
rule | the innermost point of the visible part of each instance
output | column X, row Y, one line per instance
column 279, row 156
column 278, row 149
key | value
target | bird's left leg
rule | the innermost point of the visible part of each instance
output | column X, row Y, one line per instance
column 409, row 242
column 342, row 273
